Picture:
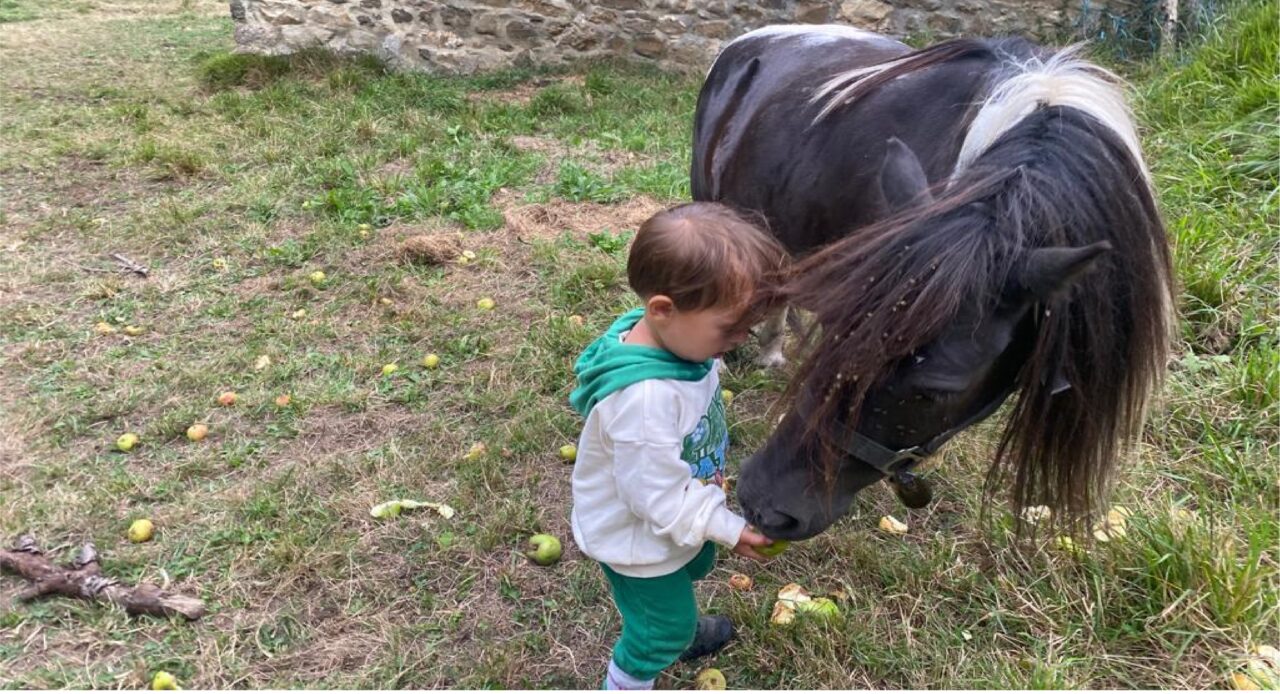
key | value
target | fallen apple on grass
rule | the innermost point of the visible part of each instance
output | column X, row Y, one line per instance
column 892, row 525
column 127, row 441
column 824, row 608
column 197, row 432
column 228, row 398
column 391, row 509
column 164, row 681
column 141, row 530
column 741, row 582
column 710, row 679
column 544, row 549
column 569, row 453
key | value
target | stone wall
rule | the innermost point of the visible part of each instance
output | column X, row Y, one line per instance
column 469, row 35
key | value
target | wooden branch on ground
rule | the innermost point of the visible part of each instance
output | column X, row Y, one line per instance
column 83, row 579
column 129, row 265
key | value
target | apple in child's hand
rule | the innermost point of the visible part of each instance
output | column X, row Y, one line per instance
column 545, row 550
column 774, row 548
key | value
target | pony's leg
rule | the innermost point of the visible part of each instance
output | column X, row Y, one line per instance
column 772, row 335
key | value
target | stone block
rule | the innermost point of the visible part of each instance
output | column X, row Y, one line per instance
column 864, row 13
column 456, row 18
column 622, row 4
column 715, row 29
column 813, row 12
column 519, row 31
column 650, row 46
column 673, row 24
column 486, row 24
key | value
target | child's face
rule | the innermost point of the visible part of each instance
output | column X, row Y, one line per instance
column 702, row 334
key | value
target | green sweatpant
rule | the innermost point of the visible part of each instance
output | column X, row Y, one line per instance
column 659, row 615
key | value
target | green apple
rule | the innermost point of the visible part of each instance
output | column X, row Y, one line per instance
column 431, row 361
column 819, row 607
column 163, row 680
column 710, row 679
column 569, row 452
column 127, row 441
column 545, row 550
column 774, row 548
column 317, row 278
column 388, row 369
column 141, row 530
column 486, row 304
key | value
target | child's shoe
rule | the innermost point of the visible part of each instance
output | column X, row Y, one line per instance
column 713, row 633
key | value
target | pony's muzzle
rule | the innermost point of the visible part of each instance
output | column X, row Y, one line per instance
column 913, row 491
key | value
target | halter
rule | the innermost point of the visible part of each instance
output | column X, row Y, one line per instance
column 893, row 463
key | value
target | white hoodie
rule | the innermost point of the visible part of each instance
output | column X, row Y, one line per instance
column 647, row 482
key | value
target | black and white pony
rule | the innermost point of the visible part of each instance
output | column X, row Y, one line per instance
column 974, row 222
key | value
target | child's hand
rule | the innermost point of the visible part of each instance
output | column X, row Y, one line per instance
column 748, row 541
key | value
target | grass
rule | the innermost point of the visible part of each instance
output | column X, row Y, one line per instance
column 233, row 177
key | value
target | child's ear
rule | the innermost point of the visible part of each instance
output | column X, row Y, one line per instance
column 660, row 307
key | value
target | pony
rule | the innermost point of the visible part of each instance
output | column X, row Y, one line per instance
column 973, row 223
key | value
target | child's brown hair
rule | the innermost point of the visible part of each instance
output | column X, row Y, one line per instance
column 706, row 255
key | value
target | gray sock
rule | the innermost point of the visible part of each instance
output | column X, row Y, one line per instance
column 617, row 679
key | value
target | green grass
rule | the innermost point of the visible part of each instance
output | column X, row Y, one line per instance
column 232, row 177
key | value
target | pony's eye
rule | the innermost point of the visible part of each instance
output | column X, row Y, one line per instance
column 936, row 394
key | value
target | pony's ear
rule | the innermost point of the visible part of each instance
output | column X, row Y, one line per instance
column 1049, row 271
column 902, row 179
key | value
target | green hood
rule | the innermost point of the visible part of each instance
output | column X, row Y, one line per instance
column 608, row 364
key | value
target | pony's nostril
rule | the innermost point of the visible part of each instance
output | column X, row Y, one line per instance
column 776, row 521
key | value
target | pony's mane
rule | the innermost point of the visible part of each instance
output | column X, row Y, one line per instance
column 1054, row 178
column 1027, row 79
